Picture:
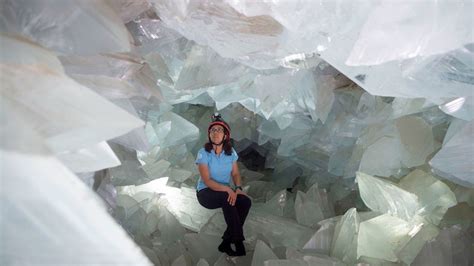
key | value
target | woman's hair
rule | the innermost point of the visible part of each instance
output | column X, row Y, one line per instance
column 227, row 145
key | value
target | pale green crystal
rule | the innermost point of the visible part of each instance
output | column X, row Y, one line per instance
column 380, row 236
column 434, row 196
column 385, row 197
column 262, row 253
column 344, row 243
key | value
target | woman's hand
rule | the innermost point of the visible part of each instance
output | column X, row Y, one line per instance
column 232, row 197
column 240, row 192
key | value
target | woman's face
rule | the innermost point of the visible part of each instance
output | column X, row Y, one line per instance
column 216, row 133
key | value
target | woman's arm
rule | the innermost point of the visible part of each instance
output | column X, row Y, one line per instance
column 236, row 175
column 237, row 179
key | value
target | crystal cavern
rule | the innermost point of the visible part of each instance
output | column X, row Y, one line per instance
column 353, row 122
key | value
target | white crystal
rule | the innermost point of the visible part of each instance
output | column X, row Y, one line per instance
column 385, row 197
column 344, row 243
column 89, row 159
column 277, row 230
column 434, row 196
column 262, row 253
column 452, row 162
column 424, row 27
column 379, row 237
column 67, row 26
column 78, row 221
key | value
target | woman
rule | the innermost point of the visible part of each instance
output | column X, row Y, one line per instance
column 217, row 163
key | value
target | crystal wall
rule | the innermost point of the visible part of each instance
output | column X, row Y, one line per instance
column 353, row 121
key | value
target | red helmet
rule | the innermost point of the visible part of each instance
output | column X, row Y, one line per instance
column 217, row 120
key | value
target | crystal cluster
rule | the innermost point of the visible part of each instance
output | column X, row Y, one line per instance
column 354, row 124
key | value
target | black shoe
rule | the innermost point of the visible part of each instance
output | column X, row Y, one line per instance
column 240, row 249
column 225, row 247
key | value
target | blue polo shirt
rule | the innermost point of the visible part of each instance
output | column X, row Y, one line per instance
column 220, row 166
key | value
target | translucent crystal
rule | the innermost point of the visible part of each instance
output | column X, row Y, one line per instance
column 96, row 239
column 26, row 52
column 172, row 130
column 419, row 237
column 344, row 243
column 129, row 9
column 204, row 68
column 81, row 106
column 182, row 261
column 115, row 76
column 322, row 260
column 67, row 26
column 89, row 159
column 262, row 253
column 380, row 236
column 314, row 91
column 169, row 226
column 182, row 203
column 378, row 162
column 302, row 206
column 135, row 139
column 385, row 197
column 278, row 231
column 281, row 204
column 451, row 163
column 416, row 139
column 409, row 140
column 322, row 239
column 461, row 107
column 450, row 247
column 130, row 171
column 203, row 246
column 414, row 26
column 293, row 262
column 434, row 196
column 202, row 262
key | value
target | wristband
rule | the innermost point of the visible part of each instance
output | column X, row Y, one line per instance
column 238, row 187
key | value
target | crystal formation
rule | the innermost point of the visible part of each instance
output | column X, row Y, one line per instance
column 353, row 122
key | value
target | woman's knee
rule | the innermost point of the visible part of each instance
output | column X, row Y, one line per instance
column 244, row 201
column 210, row 199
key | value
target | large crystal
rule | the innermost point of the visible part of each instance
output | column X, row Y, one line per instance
column 316, row 200
column 76, row 229
column 377, row 45
column 262, row 253
column 409, row 142
column 203, row 246
column 171, row 129
column 452, row 162
column 314, row 91
column 182, row 203
column 344, row 243
column 375, row 241
column 277, row 230
column 67, row 26
column 81, row 111
column 385, row 197
column 89, row 159
column 130, row 172
column 450, row 247
column 434, row 196
column 322, row 239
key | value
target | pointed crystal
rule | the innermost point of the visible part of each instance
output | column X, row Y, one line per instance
column 451, row 163
column 384, row 197
column 262, row 253
column 344, row 243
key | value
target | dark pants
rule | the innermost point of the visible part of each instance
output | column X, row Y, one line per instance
column 234, row 215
